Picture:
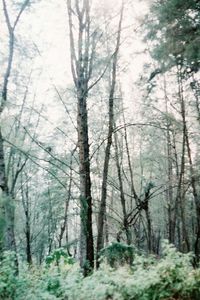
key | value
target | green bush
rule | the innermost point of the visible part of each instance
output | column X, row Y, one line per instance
column 148, row 278
column 8, row 279
column 57, row 256
column 171, row 277
column 117, row 254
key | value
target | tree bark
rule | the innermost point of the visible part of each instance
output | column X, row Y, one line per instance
column 81, row 67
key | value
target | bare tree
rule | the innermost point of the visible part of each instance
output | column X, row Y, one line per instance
column 8, row 212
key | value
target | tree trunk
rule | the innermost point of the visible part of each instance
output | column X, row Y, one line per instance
column 86, row 243
column 7, row 235
column 26, row 207
column 170, row 196
column 196, row 200
column 7, row 231
column 82, row 67
column 102, row 209
column 64, row 225
column 180, row 191
column 122, row 196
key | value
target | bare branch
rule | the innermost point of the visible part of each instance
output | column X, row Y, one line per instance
column 23, row 7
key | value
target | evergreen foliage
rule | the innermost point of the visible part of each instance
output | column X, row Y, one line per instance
column 174, row 28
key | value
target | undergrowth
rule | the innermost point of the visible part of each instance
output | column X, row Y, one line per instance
column 148, row 278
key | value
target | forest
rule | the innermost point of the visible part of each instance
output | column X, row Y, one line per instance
column 99, row 149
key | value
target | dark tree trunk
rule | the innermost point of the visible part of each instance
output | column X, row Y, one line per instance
column 180, row 191
column 28, row 241
column 196, row 200
column 82, row 67
column 87, row 249
column 126, row 228
column 170, row 200
column 26, row 207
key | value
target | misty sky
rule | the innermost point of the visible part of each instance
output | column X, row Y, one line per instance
column 45, row 28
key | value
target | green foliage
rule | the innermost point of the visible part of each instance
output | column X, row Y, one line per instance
column 149, row 278
column 174, row 29
column 46, row 283
column 171, row 277
column 117, row 254
column 8, row 281
column 57, row 255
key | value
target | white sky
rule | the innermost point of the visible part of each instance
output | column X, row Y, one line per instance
column 45, row 25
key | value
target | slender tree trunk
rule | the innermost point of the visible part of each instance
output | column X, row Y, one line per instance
column 145, row 206
column 50, row 226
column 7, row 236
column 170, row 198
column 134, row 196
column 28, row 237
column 26, row 207
column 149, row 229
column 170, row 206
column 82, row 67
column 196, row 199
column 180, row 192
column 2, row 207
column 133, row 191
column 174, row 211
column 196, row 90
column 122, row 196
column 64, row 226
column 102, row 209
column 86, row 250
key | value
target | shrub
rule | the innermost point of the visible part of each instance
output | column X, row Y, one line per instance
column 171, row 277
column 8, row 279
column 117, row 254
column 57, row 256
